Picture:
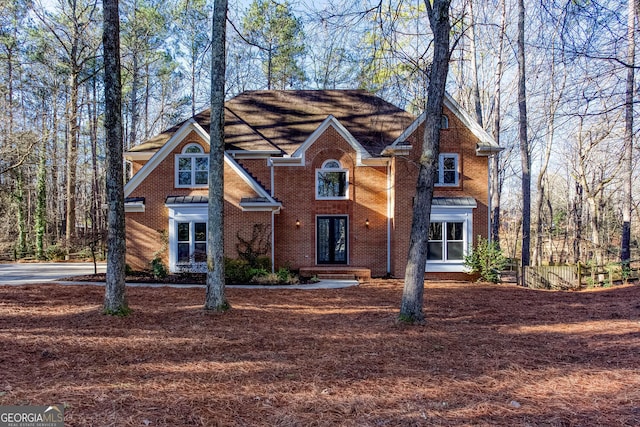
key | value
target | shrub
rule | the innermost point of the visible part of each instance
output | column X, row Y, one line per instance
column 282, row 277
column 158, row 268
column 237, row 271
column 487, row 260
column 55, row 253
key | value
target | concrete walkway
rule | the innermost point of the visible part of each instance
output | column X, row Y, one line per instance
column 323, row 284
column 26, row 273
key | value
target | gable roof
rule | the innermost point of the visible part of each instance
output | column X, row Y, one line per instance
column 176, row 137
column 486, row 144
column 280, row 121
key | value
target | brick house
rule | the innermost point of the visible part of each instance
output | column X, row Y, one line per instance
column 314, row 179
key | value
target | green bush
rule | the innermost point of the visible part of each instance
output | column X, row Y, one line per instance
column 55, row 253
column 487, row 260
column 158, row 268
column 263, row 262
column 237, row 271
column 282, row 277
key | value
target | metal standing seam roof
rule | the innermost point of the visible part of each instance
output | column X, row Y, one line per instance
column 176, row 200
column 463, row 202
column 186, row 200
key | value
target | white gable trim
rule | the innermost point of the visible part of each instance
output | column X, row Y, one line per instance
column 487, row 143
column 188, row 126
column 298, row 157
column 261, row 192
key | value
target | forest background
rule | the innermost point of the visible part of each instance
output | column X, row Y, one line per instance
column 578, row 63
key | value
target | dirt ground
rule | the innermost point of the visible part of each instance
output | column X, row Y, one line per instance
column 488, row 355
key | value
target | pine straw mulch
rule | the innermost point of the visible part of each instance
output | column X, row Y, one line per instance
column 488, row 355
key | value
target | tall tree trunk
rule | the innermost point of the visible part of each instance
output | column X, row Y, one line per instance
column 133, row 126
column 494, row 161
column 627, row 172
column 475, row 89
column 524, row 142
column 21, row 247
column 576, row 211
column 413, row 293
column 215, row 299
column 115, row 300
column 95, row 188
column 72, row 159
column 55, row 169
column 41, row 188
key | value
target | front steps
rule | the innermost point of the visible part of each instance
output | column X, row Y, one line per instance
column 361, row 274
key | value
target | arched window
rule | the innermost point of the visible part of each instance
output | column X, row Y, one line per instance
column 444, row 122
column 192, row 167
column 332, row 181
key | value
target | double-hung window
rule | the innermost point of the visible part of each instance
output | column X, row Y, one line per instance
column 192, row 167
column 331, row 181
column 191, row 242
column 447, row 170
column 446, row 241
column 450, row 231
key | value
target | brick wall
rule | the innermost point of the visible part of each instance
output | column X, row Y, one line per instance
column 473, row 182
column 295, row 187
column 145, row 230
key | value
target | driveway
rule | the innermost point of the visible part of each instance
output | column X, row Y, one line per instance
column 20, row 274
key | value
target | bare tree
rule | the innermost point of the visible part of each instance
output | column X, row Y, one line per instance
column 495, row 185
column 115, row 301
column 215, row 299
column 413, row 293
column 524, row 142
column 627, row 171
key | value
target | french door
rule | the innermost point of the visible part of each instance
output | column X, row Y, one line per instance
column 332, row 238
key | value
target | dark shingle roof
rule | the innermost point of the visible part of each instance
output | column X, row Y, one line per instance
column 283, row 120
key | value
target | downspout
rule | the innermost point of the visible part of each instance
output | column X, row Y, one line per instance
column 273, row 219
column 489, row 195
column 389, row 215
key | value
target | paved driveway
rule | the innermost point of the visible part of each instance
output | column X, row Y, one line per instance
column 20, row 274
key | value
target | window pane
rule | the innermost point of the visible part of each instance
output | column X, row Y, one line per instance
column 449, row 163
column 449, row 177
column 184, row 178
column 332, row 184
column 200, row 252
column 340, row 233
column 183, row 252
column 184, row 163
column 434, row 252
column 435, row 231
column 200, row 229
column 202, row 163
column 323, row 240
column 454, row 231
column 183, row 232
column 202, row 178
column 455, row 251
column 193, row 149
column 332, row 164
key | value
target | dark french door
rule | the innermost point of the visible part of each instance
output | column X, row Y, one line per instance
column 332, row 239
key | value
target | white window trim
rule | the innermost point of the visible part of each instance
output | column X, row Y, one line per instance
column 192, row 157
column 186, row 213
column 453, row 214
column 444, row 122
column 325, row 169
column 441, row 158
